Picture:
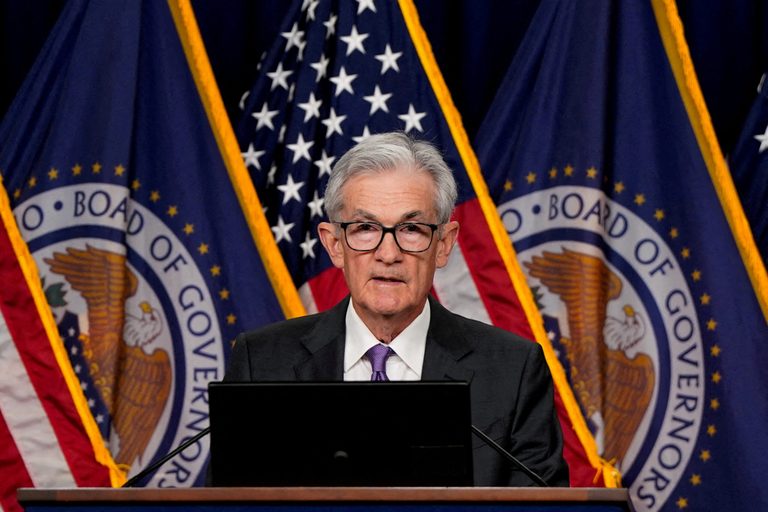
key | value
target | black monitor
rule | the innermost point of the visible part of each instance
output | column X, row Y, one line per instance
column 340, row 434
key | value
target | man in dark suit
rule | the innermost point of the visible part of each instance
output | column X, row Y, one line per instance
column 390, row 328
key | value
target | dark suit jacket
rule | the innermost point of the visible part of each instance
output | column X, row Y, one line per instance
column 510, row 384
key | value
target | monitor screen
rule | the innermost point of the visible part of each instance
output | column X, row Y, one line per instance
column 340, row 434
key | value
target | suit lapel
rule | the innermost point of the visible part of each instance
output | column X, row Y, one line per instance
column 446, row 346
column 325, row 344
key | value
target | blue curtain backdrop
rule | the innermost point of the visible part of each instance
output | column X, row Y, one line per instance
column 474, row 42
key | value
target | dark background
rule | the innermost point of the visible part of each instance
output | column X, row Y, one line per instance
column 474, row 41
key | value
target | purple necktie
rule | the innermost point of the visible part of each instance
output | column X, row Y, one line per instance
column 378, row 355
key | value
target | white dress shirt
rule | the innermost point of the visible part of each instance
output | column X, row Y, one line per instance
column 409, row 346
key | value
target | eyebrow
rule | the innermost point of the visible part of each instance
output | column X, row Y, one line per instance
column 370, row 216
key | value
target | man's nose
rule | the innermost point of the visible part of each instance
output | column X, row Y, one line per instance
column 388, row 249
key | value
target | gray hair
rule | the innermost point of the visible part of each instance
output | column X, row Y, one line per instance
column 389, row 151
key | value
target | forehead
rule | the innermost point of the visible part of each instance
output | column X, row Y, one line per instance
column 395, row 192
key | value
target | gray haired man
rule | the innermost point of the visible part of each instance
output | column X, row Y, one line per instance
column 389, row 201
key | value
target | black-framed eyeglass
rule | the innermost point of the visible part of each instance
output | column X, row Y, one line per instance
column 409, row 236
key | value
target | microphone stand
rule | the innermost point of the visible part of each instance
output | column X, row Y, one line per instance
column 511, row 458
column 162, row 460
column 183, row 446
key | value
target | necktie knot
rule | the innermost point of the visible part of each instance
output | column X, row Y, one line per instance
column 378, row 355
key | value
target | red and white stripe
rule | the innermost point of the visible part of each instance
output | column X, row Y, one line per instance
column 28, row 443
column 43, row 441
column 30, row 432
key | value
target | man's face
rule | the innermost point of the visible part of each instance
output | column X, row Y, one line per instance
column 386, row 282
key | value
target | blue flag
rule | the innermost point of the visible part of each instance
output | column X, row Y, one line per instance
column 123, row 185
column 602, row 161
column 749, row 166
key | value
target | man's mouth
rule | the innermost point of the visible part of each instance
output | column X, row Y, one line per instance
column 386, row 279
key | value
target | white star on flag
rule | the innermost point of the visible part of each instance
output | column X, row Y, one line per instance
column 311, row 107
column 343, row 82
column 279, row 77
column 251, row 157
column 389, row 60
column 300, row 56
column 295, row 37
column 360, row 138
column 242, row 99
column 307, row 246
column 362, row 5
column 412, row 119
column 300, row 148
column 333, row 123
column 321, row 67
column 330, row 25
column 290, row 190
column 324, row 164
column 264, row 117
column 354, row 41
column 311, row 9
column 762, row 138
column 282, row 230
column 316, row 206
column 378, row 100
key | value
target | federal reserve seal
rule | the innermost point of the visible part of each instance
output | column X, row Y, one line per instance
column 137, row 319
column 622, row 318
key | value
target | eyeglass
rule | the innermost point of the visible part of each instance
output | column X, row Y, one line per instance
column 409, row 236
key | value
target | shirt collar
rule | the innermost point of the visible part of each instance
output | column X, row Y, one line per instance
column 409, row 345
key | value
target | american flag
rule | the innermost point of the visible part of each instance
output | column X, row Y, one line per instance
column 749, row 168
column 339, row 72
column 45, row 440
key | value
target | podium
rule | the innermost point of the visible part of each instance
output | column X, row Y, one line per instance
column 328, row 499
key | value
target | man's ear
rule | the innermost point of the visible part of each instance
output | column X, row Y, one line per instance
column 450, row 233
column 331, row 238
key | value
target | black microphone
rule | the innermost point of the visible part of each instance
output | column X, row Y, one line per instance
column 165, row 458
column 511, row 458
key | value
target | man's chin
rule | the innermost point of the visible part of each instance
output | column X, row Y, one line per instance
column 387, row 306
column 387, row 311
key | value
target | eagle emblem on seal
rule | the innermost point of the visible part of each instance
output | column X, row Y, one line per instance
column 133, row 381
column 613, row 388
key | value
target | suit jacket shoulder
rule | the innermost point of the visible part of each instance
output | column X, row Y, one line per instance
column 511, row 391
column 478, row 346
column 305, row 348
